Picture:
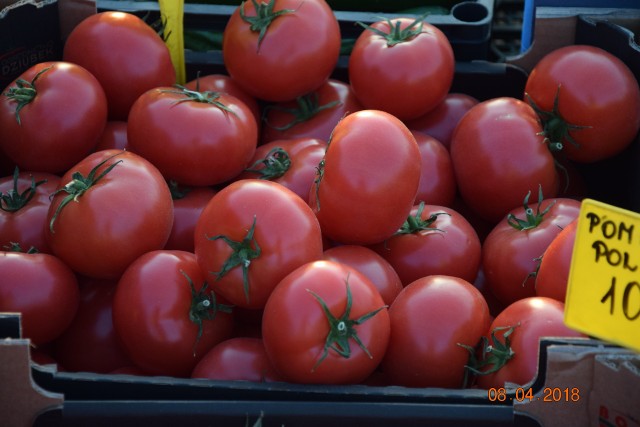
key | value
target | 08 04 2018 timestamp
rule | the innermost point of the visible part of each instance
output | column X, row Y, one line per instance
column 521, row 394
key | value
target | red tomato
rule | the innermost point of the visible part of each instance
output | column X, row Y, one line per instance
column 43, row 289
column 437, row 179
column 24, row 203
column 553, row 274
column 237, row 359
column 443, row 119
column 511, row 251
column 430, row 319
column 113, row 136
column 515, row 348
column 373, row 266
column 283, row 50
column 325, row 323
column 110, row 208
column 403, row 66
column 194, row 138
column 250, row 235
column 51, row 116
column 124, row 53
column 588, row 100
column 433, row 240
column 498, row 156
column 290, row 162
column 313, row 115
column 90, row 343
column 166, row 316
column 354, row 201
column 188, row 204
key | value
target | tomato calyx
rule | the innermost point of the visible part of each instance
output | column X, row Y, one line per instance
column 397, row 34
column 318, row 180
column 342, row 329
column 275, row 164
column 265, row 15
column 16, row 247
column 24, row 92
column 493, row 355
column 204, row 306
column 13, row 200
column 308, row 106
column 242, row 253
column 555, row 128
column 79, row 185
column 178, row 192
column 415, row 223
column 532, row 219
column 206, row 97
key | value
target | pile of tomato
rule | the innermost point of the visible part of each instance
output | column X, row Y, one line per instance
column 276, row 224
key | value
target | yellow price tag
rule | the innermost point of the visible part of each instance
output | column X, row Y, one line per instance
column 603, row 294
column 172, row 14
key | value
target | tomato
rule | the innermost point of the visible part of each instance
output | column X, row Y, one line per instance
column 194, row 138
column 237, row 359
column 250, row 235
column 166, row 315
column 114, row 135
column 51, row 116
column 114, row 40
column 514, row 343
column 325, row 323
column 188, row 204
column 354, row 202
column 587, row 121
column 443, row 119
column 109, row 209
column 90, row 343
column 24, row 203
column 437, row 179
column 430, row 319
column 43, row 289
column 511, row 251
column 403, row 66
column 290, row 162
column 282, row 50
column 312, row 115
column 498, row 156
column 433, row 240
column 373, row 266
column 553, row 274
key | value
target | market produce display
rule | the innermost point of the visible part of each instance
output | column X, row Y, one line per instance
column 276, row 224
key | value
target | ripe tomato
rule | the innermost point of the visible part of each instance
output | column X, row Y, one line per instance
column 403, row 66
column 430, row 319
column 498, row 156
column 290, row 162
column 510, row 354
column 114, row 135
column 313, row 115
column 553, row 274
column 250, row 235
column 51, row 116
column 283, row 50
column 43, row 289
column 511, row 250
column 433, row 240
column 589, row 121
column 194, row 138
column 24, row 203
column 90, row 343
column 437, row 179
column 120, row 41
column 325, row 323
column 109, row 209
column 443, row 119
column 165, row 314
column 237, row 359
column 188, row 204
column 373, row 266
column 354, row 201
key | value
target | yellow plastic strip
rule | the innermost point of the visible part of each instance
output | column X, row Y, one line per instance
column 172, row 13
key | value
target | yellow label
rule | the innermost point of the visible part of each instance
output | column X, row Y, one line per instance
column 172, row 14
column 603, row 294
